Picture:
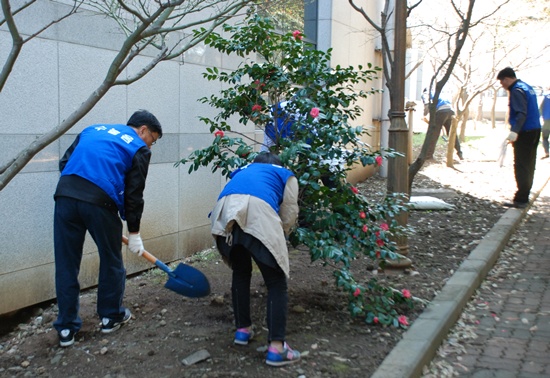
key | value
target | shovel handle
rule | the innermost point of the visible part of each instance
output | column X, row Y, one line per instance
column 152, row 259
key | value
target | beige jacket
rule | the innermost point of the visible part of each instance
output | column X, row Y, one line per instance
column 257, row 218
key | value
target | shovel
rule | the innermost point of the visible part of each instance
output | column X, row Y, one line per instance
column 184, row 280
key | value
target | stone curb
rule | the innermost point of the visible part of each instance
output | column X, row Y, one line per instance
column 421, row 341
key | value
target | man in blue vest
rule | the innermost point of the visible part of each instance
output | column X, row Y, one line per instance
column 545, row 113
column 279, row 127
column 524, row 119
column 102, row 175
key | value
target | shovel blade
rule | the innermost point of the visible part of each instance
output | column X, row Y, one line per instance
column 188, row 281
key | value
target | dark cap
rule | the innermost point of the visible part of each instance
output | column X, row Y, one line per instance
column 143, row 117
column 506, row 72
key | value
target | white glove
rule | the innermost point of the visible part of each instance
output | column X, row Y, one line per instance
column 512, row 137
column 135, row 244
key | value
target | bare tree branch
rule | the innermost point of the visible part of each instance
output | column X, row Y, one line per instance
column 145, row 24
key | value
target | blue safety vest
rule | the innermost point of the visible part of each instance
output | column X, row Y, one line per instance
column 265, row 181
column 103, row 156
column 546, row 107
column 532, row 121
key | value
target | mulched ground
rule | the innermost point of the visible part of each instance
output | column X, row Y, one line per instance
column 167, row 328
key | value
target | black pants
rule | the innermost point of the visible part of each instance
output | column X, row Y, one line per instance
column 240, row 258
column 444, row 119
column 525, row 158
column 71, row 220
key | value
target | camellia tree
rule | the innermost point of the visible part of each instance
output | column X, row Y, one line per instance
column 336, row 223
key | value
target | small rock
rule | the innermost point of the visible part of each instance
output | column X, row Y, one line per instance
column 104, row 350
column 25, row 364
column 298, row 309
column 217, row 300
column 198, row 356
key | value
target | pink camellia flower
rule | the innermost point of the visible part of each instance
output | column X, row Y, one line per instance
column 403, row 320
column 377, row 234
column 219, row 133
column 380, row 242
column 297, row 35
column 384, row 227
column 356, row 292
column 406, row 293
column 314, row 112
column 354, row 190
column 256, row 108
column 365, row 228
column 378, row 160
column 362, row 215
column 375, row 320
column 378, row 254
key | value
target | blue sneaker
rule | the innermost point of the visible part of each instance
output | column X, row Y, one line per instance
column 287, row 356
column 243, row 336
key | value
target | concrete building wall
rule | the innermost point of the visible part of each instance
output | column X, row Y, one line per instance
column 54, row 74
column 354, row 43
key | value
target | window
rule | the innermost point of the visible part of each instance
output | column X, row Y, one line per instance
column 294, row 15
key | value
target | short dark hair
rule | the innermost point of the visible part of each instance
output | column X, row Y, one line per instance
column 268, row 158
column 506, row 72
column 143, row 117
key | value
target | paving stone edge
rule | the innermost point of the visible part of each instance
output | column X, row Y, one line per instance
column 421, row 341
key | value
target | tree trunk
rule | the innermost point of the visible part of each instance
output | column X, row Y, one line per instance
column 463, row 123
column 427, row 151
column 451, row 143
column 494, row 105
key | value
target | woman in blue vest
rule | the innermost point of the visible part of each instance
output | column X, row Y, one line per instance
column 524, row 134
column 255, row 211
column 102, row 175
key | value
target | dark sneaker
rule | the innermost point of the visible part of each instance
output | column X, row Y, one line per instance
column 109, row 325
column 287, row 356
column 243, row 336
column 517, row 205
column 66, row 337
column 520, row 205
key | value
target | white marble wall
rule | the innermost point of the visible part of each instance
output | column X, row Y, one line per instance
column 53, row 76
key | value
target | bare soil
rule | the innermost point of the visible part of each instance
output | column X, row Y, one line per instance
column 167, row 328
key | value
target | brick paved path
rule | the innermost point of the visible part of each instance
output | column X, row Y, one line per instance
column 511, row 312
